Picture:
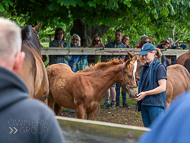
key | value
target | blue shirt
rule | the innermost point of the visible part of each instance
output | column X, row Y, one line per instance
column 74, row 60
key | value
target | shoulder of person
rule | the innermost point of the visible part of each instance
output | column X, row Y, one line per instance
column 66, row 44
column 53, row 43
column 121, row 45
column 37, row 104
column 160, row 47
column 110, row 45
column 129, row 46
column 161, row 68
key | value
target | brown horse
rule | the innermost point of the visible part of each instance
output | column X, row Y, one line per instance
column 184, row 60
column 33, row 71
column 83, row 91
column 178, row 78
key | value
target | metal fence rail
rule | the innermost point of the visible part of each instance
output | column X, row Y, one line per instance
column 86, row 131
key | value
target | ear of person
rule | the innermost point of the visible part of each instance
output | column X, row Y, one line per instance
column 18, row 62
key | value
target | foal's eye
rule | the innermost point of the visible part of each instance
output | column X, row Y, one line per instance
column 129, row 76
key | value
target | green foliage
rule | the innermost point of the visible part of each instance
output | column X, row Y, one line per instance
column 156, row 18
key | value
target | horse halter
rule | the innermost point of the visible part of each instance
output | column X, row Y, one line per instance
column 122, row 79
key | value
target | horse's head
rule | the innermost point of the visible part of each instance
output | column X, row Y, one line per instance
column 128, row 78
column 141, row 61
column 31, row 38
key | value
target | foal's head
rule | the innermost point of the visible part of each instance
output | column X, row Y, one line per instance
column 128, row 78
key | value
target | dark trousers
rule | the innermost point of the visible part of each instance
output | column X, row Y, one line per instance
column 117, row 88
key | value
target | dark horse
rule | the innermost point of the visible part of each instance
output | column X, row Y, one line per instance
column 33, row 71
column 184, row 60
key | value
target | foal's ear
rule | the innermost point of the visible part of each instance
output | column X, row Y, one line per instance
column 37, row 27
column 130, row 55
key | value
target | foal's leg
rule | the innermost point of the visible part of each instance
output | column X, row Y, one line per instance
column 81, row 111
column 57, row 109
column 51, row 101
column 92, row 115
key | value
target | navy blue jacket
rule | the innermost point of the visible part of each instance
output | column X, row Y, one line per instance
column 148, row 83
column 24, row 120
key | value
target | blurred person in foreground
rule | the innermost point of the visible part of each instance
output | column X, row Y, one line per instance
column 22, row 119
column 173, row 127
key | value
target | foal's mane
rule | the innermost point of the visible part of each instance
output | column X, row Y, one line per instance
column 30, row 38
column 103, row 65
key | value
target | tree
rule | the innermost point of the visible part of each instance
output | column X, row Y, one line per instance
column 135, row 17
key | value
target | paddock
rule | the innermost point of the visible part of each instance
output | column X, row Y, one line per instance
column 76, row 130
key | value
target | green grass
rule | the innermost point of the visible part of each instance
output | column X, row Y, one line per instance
column 130, row 102
column 45, row 44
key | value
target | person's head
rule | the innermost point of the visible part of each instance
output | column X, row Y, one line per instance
column 95, row 40
column 75, row 40
column 83, row 42
column 125, row 40
column 170, row 41
column 165, row 44
column 118, row 36
column 148, row 52
column 11, row 56
column 59, row 34
column 144, row 40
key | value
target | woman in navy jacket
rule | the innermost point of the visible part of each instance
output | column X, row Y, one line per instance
column 152, row 86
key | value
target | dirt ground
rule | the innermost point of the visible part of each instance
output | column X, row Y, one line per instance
column 118, row 115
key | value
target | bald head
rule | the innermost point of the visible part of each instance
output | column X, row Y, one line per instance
column 10, row 39
column 11, row 56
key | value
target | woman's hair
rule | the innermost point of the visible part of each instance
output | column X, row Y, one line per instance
column 75, row 35
column 164, row 42
column 172, row 42
column 93, row 39
column 143, row 40
column 124, row 37
column 56, row 32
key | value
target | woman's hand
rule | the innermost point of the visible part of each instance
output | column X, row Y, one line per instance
column 140, row 96
column 168, row 60
column 60, row 45
column 99, row 45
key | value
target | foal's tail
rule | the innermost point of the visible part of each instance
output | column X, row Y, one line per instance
column 187, row 64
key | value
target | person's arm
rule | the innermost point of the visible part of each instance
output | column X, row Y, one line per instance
column 157, row 90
